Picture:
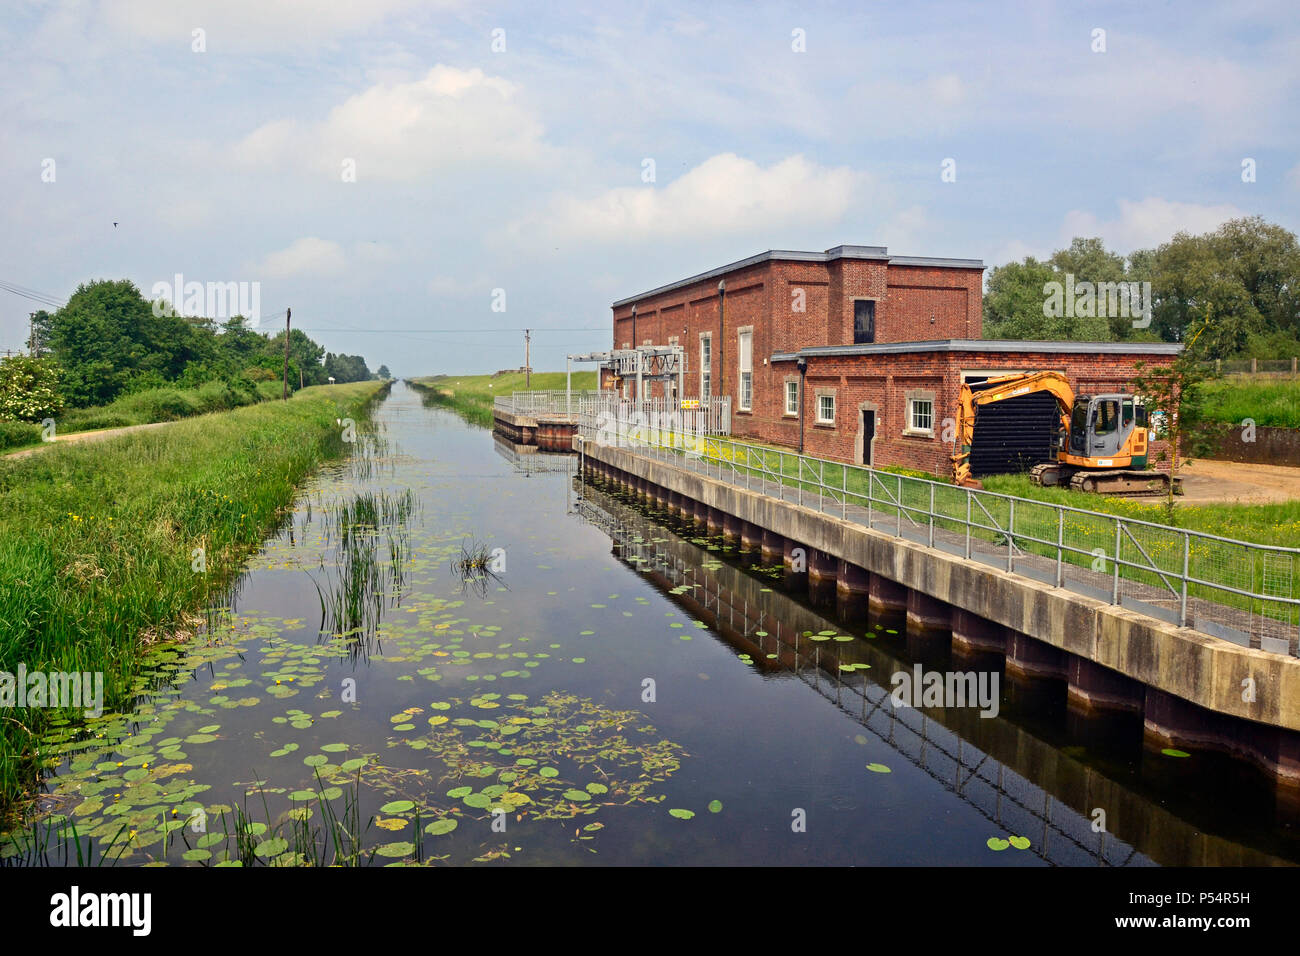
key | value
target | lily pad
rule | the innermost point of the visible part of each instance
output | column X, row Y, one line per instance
column 681, row 814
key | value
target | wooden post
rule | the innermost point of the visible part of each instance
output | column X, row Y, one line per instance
column 285, row 380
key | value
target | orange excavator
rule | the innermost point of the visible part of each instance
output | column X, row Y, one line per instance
column 1101, row 440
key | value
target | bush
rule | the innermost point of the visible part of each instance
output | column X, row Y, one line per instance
column 29, row 389
column 14, row 434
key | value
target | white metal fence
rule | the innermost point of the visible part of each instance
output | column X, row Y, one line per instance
column 626, row 417
column 1235, row 590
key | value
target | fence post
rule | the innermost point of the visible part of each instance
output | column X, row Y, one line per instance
column 932, row 514
column 1060, row 547
column 1114, row 594
column 1011, row 527
column 844, row 495
column 968, row 516
column 899, row 499
column 1187, row 555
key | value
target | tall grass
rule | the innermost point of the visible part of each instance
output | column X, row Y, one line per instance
column 1273, row 402
column 143, row 408
column 98, row 543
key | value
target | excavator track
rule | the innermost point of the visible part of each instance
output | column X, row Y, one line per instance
column 1122, row 482
column 1047, row 474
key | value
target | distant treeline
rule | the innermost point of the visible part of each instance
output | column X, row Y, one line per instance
column 1241, row 282
column 109, row 341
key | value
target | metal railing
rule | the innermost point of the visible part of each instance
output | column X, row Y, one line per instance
column 711, row 416
column 1236, row 590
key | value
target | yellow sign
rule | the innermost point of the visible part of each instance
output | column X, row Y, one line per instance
column 690, row 403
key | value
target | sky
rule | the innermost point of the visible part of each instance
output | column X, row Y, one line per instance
column 421, row 181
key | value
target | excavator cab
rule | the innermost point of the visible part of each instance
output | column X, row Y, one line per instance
column 1107, row 431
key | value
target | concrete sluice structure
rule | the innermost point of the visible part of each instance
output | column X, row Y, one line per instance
column 1018, row 781
column 1189, row 690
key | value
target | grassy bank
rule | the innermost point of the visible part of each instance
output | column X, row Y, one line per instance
column 97, row 542
column 472, row 395
column 143, row 408
column 1273, row 402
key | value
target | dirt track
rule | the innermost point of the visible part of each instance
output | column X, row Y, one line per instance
column 1231, row 482
column 84, row 436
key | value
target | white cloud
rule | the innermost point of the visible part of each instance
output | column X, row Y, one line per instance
column 1147, row 222
column 308, row 256
column 404, row 131
column 724, row 195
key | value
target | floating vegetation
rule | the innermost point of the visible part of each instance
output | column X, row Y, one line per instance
column 477, row 566
column 998, row 844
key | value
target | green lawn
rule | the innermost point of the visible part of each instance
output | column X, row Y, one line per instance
column 1269, row 401
column 472, row 395
column 97, row 540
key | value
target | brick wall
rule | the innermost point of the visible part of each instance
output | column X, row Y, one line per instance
column 884, row 384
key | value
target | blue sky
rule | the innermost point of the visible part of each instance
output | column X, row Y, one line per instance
column 523, row 168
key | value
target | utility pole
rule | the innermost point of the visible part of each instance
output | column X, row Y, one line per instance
column 528, row 362
column 287, row 314
column 31, row 335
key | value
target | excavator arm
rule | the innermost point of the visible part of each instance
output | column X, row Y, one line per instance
column 997, row 390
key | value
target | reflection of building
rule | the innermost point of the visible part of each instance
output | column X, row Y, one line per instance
column 851, row 353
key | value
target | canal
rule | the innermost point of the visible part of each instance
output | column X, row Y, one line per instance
column 456, row 651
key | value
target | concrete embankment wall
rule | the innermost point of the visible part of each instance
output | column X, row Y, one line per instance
column 1191, row 689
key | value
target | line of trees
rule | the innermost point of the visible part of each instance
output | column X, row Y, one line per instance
column 1241, row 281
column 108, row 341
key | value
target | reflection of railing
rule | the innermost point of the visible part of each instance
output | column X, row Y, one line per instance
column 1011, row 802
column 1242, row 592
column 530, row 460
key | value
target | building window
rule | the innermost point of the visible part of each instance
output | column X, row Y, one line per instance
column 746, row 362
column 792, row 398
column 864, row 321
column 920, row 415
column 826, row 409
column 706, row 366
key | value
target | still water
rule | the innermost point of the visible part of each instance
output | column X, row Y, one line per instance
column 455, row 651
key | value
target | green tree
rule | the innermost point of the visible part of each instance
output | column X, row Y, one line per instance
column 383, row 373
column 1016, row 306
column 1174, row 396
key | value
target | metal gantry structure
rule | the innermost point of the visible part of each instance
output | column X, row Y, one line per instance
column 645, row 363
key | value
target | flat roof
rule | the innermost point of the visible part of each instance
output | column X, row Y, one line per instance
column 790, row 255
column 986, row 345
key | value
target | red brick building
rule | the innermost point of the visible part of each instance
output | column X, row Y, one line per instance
column 851, row 353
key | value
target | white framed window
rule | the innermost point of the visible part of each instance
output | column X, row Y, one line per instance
column 826, row 409
column 746, row 362
column 792, row 398
column 920, row 415
column 706, row 366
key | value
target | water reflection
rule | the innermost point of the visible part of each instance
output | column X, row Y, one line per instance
column 1020, row 782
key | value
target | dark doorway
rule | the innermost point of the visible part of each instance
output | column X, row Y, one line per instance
column 868, row 432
